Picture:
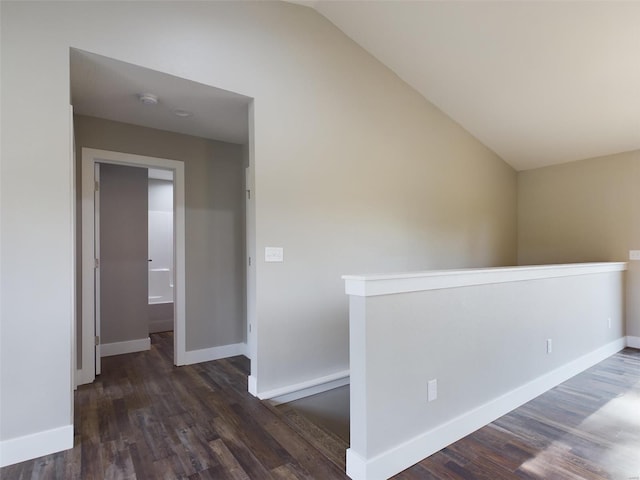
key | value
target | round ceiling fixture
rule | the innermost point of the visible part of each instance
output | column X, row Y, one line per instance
column 148, row 98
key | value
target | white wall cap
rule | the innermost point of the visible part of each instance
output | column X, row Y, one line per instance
column 388, row 284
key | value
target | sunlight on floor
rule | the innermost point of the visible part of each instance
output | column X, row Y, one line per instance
column 619, row 459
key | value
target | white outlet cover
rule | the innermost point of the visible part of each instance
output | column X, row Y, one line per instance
column 432, row 390
column 634, row 254
column 273, row 254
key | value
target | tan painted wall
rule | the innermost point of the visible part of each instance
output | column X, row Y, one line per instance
column 584, row 211
column 354, row 172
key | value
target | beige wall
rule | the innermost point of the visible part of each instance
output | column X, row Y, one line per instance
column 584, row 211
column 354, row 172
column 214, row 221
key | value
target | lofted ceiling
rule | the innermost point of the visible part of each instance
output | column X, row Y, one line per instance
column 107, row 88
column 538, row 82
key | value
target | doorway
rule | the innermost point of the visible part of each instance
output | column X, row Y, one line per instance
column 90, row 314
column 160, row 250
column 212, row 131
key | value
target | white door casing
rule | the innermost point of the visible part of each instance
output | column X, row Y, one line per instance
column 90, row 157
column 96, row 273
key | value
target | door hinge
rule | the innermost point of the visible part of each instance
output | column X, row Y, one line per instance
column 97, row 263
column 249, row 261
column 248, row 194
column 97, row 186
column 97, row 340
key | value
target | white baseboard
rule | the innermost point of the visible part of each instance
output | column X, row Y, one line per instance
column 252, row 385
column 36, row 445
column 129, row 346
column 633, row 342
column 83, row 376
column 305, row 389
column 214, row 353
column 395, row 460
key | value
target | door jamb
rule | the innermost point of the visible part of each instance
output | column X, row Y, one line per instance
column 96, row 278
column 90, row 157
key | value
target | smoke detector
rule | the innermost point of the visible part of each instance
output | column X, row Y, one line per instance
column 148, row 98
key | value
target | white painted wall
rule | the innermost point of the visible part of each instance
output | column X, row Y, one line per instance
column 160, row 241
column 482, row 335
column 353, row 171
column 36, row 242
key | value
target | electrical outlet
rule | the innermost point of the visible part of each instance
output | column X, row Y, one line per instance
column 549, row 345
column 634, row 254
column 432, row 390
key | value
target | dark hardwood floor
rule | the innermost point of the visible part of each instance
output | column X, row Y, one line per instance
column 145, row 419
column 586, row 428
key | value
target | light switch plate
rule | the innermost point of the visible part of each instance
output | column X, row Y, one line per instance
column 273, row 254
column 634, row 254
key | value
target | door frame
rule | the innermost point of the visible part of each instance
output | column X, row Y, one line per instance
column 97, row 285
column 91, row 157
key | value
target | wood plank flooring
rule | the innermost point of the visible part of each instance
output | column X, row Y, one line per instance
column 586, row 428
column 145, row 419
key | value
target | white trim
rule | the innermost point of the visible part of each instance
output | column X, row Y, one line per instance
column 395, row 460
column 83, row 376
column 250, row 246
column 97, row 286
column 158, row 174
column 356, row 466
column 35, row 445
column 90, row 157
column 383, row 284
column 633, row 342
column 214, row 353
column 74, row 277
column 252, row 385
column 305, row 389
column 87, row 293
column 128, row 346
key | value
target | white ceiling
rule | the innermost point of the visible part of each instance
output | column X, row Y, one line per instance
column 107, row 88
column 538, row 82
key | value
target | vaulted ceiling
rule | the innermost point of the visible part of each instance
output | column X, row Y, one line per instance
column 538, row 82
